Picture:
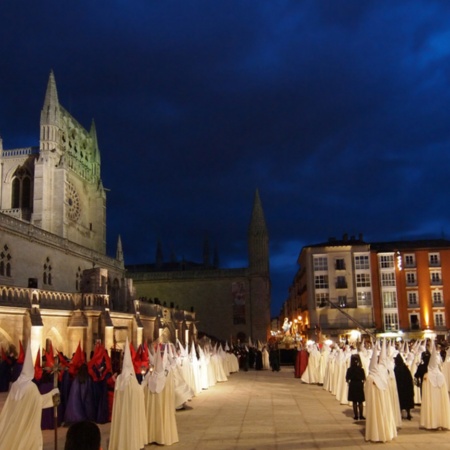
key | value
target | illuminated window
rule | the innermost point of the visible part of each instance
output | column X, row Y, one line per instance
column 386, row 261
column 439, row 320
column 389, row 300
column 388, row 279
column 434, row 259
column 391, row 321
column 411, row 278
column 361, row 262
column 342, row 301
column 320, row 263
column 413, row 298
column 322, row 299
column 321, row 282
column 435, row 277
column 364, row 298
column 410, row 261
column 437, row 297
column 362, row 280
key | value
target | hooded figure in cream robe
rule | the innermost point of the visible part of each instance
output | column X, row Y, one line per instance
column 435, row 409
column 128, row 427
column 380, row 421
column 20, row 419
column 160, row 401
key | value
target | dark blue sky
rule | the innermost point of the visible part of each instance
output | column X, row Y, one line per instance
column 336, row 110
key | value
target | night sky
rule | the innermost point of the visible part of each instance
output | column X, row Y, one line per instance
column 337, row 111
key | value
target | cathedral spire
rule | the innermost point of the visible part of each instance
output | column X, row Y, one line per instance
column 93, row 134
column 50, row 117
column 258, row 238
column 119, row 250
column 50, row 109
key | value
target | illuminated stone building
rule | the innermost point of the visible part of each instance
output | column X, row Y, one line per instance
column 229, row 303
column 399, row 288
column 56, row 281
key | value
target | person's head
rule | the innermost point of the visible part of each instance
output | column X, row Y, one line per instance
column 355, row 360
column 83, row 435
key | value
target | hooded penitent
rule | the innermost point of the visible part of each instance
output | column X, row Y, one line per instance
column 19, row 387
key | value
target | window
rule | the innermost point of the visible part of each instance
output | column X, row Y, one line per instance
column 364, row 298
column 414, row 322
column 413, row 299
column 362, row 280
column 410, row 261
column 388, row 279
column 386, row 261
column 340, row 264
column 411, row 278
column 341, row 283
column 321, row 299
column 47, row 272
column 342, row 301
column 321, row 281
column 320, row 263
column 391, row 321
column 434, row 259
column 389, row 300
column 21, row 189
column 361, row 262
column 439, row 320
column 5, row 262
column 435, row 277
column 437, row 297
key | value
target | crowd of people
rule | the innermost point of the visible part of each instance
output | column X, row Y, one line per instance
column 383, row 381
column 140, row 401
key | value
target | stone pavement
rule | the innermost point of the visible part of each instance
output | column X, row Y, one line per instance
column 264, row 410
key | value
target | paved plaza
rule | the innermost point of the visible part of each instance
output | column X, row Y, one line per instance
column 264, row 410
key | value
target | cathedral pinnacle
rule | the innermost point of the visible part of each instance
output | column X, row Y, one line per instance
column 51, row 104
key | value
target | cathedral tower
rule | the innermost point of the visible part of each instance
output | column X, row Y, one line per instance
column 68, row 195
column 259, row 276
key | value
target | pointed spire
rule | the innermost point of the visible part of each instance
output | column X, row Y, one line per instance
column 258, row 238
column 257, row 222
column 159, row 255
column 119, row 250
column 50, row 109
column 93, row 134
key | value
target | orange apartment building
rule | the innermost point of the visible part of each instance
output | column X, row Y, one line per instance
column 393, row 288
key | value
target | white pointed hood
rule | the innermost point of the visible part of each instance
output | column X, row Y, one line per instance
column 379, row 376
column 19, row 387
column 434, row 374
column 127, row 369
column 157, row 379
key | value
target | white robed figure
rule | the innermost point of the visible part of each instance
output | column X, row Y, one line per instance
column 380, row 421
column 128, row 427
column 20, row 419
column 160, row 401
column 435, row 409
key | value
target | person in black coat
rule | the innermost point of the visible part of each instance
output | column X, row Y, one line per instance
column 422, row 368
column 355, row 378
column 405, row 385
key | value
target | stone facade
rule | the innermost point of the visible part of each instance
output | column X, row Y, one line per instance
column 229, row 303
